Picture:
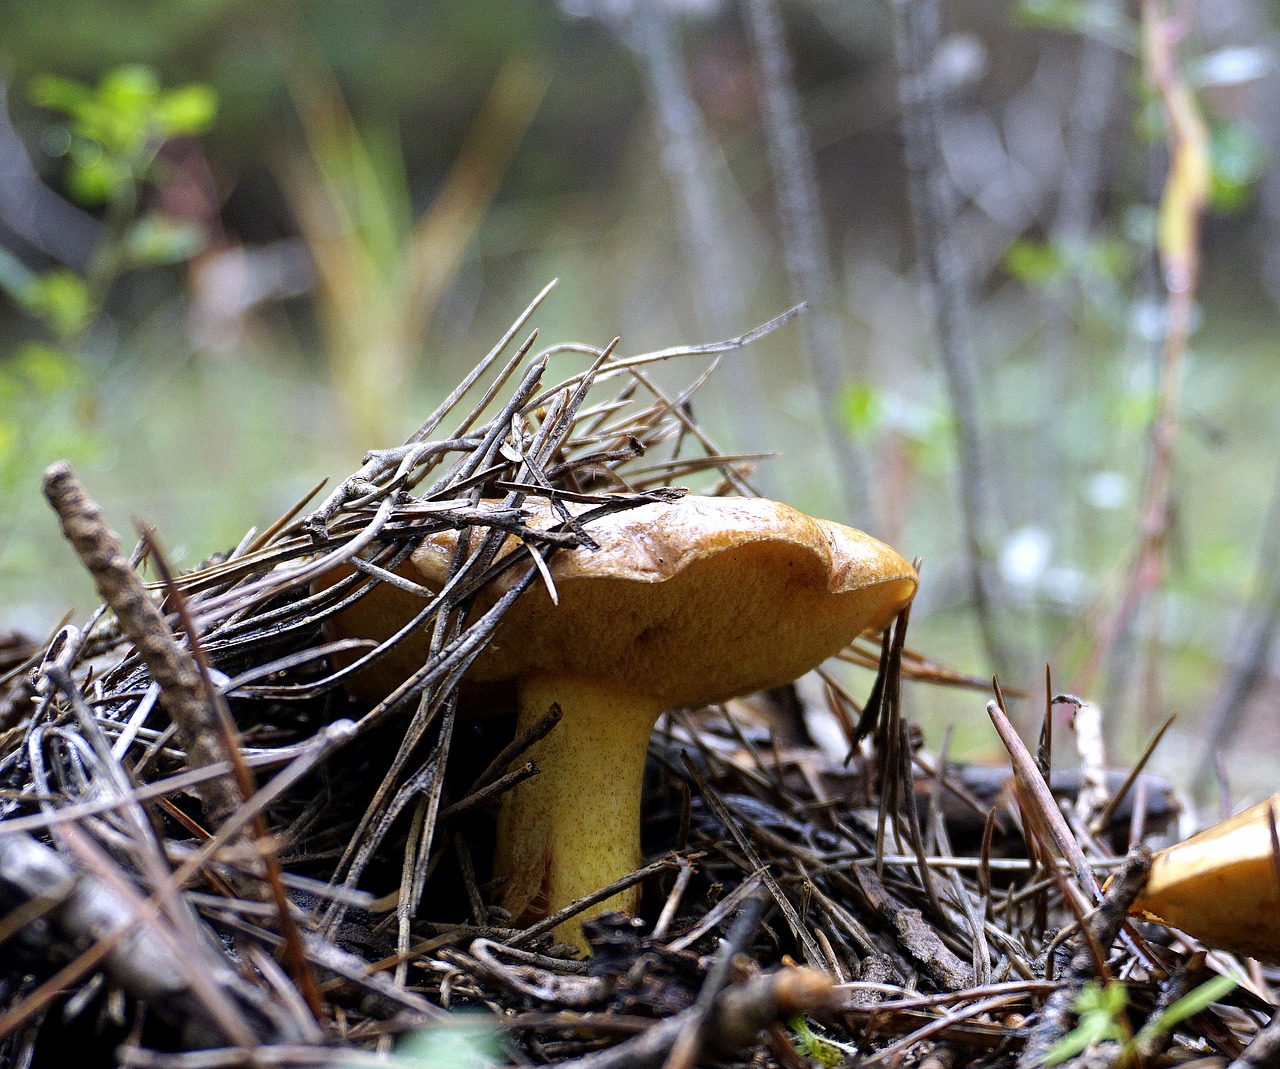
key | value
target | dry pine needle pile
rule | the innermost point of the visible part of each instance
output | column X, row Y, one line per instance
column 211, row 855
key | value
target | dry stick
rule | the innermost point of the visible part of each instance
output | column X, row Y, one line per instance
column 624, row 364
column 511, row 751
column 295, row 956
column 727, row 465
column 146, row 852
column 1093, row 796
column 804, row 245
column 553, row 920
column 304, row 757
column 280, row 1056
column 1101, row 931
column 1029, row 777
column 378, row 464
column 933, row 205
column 132, row 943
column 182, row 690
column 697, row 172
column 490, row 791
column 688, row 1045
column 1251, row 643
column 739, row 1014
column 548, row 438
column 920, row 941
column 418, row 849
column 674, row 899
column 1097, row 91
column 1263, row 1052
column 261, row 541
column 1181, row 212
column 440, row 663
column 892, row 1054
column 812, row 951
column 1104, row 818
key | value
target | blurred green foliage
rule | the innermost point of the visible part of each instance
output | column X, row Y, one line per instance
column 1238, row 162
column 923, row 425
column 58, row 298
column 111, row 135
column 114, row 130
column 1082, row 17
column 382, row 270
column 1099, row 270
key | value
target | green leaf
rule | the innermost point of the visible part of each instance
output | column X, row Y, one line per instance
column 116, row 127
column 862, row 408
column 1237, row 161
column 1034, row 262
column 58, row 94
column 1073, row 1043
column 155, row 240
column 1100, row 1009
column 827, row 1052
column 188, row 110
column 45, row 369
column 61, row 299
column 130, row 90
column 94, row 178
column 1193, row 1002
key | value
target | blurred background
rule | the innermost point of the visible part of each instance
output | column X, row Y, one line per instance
column 240, row 244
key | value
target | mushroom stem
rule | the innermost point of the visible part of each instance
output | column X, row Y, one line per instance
column 575, row 826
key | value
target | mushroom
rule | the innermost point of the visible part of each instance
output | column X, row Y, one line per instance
column 684, row 603
column 1221, row 886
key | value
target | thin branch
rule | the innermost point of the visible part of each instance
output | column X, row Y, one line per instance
column 804, row 245
column 182, row 690
column 917, row 32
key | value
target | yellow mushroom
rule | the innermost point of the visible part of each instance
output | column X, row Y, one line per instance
column 1220, row 886
column 682, row 604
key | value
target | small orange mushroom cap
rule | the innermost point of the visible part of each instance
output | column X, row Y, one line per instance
column 1221, row 886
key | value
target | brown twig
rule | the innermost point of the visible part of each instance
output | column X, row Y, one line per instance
column 934, row 209
column 1101, row 931
column 1185, row 197
column 274, row 890
column 1032, row 781
column 737, row 1016
column 126, row 936
column 804, row 243
column 175, row 671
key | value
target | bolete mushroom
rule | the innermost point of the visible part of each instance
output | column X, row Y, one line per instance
column 683, row 604
column 1221, row 886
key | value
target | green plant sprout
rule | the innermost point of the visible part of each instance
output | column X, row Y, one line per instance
column 827, row 1052
column 1101, row 1011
